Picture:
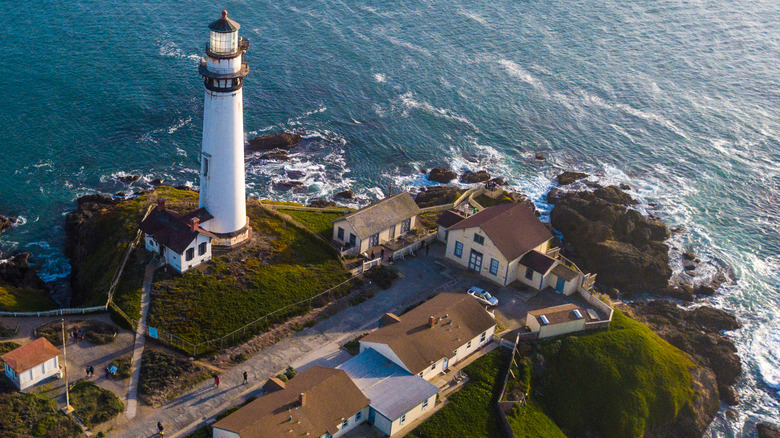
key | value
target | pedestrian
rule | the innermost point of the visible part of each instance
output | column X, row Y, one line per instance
column 382, row 254
column 427, row 249
column 86, row 371
column 246, row 377
column 91, row 371
column 216, row 380
column 372, row 255
column 108, row 372
column 160, row 429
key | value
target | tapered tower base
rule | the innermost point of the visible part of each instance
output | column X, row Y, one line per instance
column 230, row 240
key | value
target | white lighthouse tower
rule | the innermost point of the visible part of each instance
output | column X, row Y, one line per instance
column 222, row 190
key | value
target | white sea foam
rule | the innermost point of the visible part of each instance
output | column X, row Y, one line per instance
column 380, row 77
column 181, row 123
column 519, row 72
column 170, row 49
column 409, row 101
column 474, row 16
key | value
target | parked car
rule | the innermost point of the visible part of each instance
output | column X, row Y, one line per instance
column 482, row 296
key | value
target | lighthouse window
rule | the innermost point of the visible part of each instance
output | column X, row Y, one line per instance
column 205, row 166
column 190, row 254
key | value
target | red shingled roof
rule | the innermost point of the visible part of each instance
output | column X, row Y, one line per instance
column 30, row 355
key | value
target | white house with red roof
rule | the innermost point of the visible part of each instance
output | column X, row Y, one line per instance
column 32, row 363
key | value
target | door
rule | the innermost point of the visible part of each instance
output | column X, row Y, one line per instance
column 559, row 286
column 446, row 364
column 371, row 415
column 475, row 260
column 352, row 240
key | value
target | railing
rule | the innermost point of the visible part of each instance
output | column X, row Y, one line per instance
column 436, row 208
column 302, row 208
column 58, row 312
column 409, row 249
column 467, row 194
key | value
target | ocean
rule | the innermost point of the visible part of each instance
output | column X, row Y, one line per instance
column 678, row 99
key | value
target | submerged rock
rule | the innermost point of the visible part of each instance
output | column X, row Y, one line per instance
column 6, row 221
column 766, row 430
column 470, row 177
column 275, row 155
column 346, row 194
column 268, row 142
column 128, row 179
column 295, row 174
column 442, row 175
column 569, row 177
column 540, row 157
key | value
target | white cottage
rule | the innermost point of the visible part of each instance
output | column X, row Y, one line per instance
column 179, row 239
column 507, row 243
column 32, row 363
column 379, row 222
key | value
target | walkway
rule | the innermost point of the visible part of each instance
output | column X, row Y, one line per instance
column 422, row 276
column 138, row 349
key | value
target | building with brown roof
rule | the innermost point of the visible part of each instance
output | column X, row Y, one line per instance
column 379, row 222
column 558, row 320
column 318, row 402
column 446, row 220
column 507, row 243
column 434, row 335
column 32, row 363
column 179, row 239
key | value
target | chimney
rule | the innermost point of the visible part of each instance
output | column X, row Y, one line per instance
column 302, row 399
column 431, row 321
column 161, row 204
column 194, row 222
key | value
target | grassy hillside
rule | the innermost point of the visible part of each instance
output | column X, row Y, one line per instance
column 282, row 265
column 617, row 382
column 316, row 222
column 528, row 421
column 32, row 415
column 14, row 299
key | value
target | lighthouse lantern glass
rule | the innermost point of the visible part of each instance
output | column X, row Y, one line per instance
column 223, row 42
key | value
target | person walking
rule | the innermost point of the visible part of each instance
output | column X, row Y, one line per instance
column 216, row 381
column 160, row 429
column 246, row 377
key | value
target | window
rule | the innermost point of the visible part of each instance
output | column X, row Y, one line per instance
column 406, row 225
column 205, row 166
column 352, row 240
column 529, row 273
column 373, row 240
column 391, row 235
column 494, row 266
column 359, row 415
column 468, row 345
column 425, row 405
column 345, row 424
column 482, row 338
column 458, row 249
column 190, row 254
column 202, row 248
column 340, row 233
column 433, row 367
column 479, row 239
column 403, row 419
column 421, row 373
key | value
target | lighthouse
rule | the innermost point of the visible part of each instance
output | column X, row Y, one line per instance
column 222, row 189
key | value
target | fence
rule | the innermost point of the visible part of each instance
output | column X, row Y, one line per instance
column 435, row 208
column 502, row 407
column 58, row 312
column 302, row 208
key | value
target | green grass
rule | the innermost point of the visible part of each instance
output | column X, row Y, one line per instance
column 5, row 347
column 32, row 415
column 165, row 376
column 123, row 368
column 289, row 266
column 113, row 230
column 14, row 299
column 127, row 295
column 93, row 404
column 618, row 382
column 316, row 222
column 528, row 421
column 470, row 411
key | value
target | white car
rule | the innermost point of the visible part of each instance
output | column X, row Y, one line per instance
column 482, row 296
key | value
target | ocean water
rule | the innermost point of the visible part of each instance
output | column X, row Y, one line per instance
column 678, row 99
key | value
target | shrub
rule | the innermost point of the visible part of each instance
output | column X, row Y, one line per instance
column 164, row 376
column 93, row 404
column 382, row 275
column 123, row 367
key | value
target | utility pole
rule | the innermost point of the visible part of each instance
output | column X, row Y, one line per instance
column 68, row 408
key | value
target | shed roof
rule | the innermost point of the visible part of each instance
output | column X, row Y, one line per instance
column 565, row 272
column 172, row 229
column 449, row 218
column 558, row 314
column 513, row 228
column 537, row 261
column 460, row 318
column 392, row 390
column 331, row 398
column 31, row 354
column 382, row 215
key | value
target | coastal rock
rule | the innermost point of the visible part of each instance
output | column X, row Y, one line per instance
column 498, row 181
column 17, row 272
column 694, row 418
column 269, row 142
column 470, row 177
column 275, row 155
column 624, row 248
column 766, row 430
column 442, row 175
column 6, row 221
column 540, row 157
column 698, row 333
column 346, row 194
column 437, row 195
column 295, row 186
column 157, row 182
column 128, row 179
column 322, row 203
column 295, row 174
column 569, row 177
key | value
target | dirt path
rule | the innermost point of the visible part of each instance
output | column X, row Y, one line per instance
column 138, row 348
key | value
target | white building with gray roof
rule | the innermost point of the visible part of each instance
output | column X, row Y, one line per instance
column 379, row 222
column 397, row 397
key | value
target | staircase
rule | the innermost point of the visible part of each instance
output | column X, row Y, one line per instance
column 156, row 261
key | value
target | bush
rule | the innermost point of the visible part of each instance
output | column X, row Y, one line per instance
column 93, row 404
column 164, row 376
column 288, row 374
column 618, row 382
column 382, row 275
column 123, row 367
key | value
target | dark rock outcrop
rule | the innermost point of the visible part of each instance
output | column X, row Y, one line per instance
column 540, row 157
column 322, row 203
column 498, row 181
column 346, row 194
column 698, row 333
column 269, row 142
column 624, row 248
column 275, row 155
column 569, row 177
column 694, row 418
column 442, row 175
column 437, row 195
column 17, row 272
column 128, row 179
column 295, row 174
column 6, row 221
column 470, row 177
column 157, row 182
column 766, row 430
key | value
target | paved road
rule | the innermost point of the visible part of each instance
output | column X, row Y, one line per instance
column 423, row 276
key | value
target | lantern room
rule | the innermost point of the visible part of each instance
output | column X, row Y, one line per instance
column 223, row 38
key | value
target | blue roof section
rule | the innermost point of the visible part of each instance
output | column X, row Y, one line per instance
column 392, row 390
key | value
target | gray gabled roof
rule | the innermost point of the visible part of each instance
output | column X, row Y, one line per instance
column 392, row 390
column 381, row 215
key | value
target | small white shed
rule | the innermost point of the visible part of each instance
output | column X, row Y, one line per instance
column 32, row 363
